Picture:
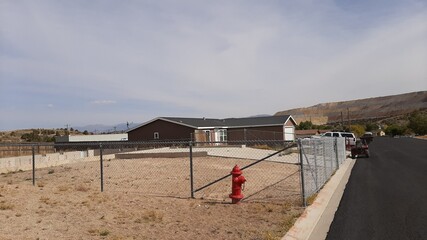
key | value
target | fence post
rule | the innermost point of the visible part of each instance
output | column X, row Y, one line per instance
column 33, row 151
column 101, row 167
column 301, row 164
column 191, row 170
column 336, row 152
column 316, row 179
column 324, row 161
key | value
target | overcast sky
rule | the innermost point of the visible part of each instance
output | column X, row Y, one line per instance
column 114, row 61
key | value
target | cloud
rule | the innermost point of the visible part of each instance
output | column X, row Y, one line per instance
column 213, row 59
column 50, row 105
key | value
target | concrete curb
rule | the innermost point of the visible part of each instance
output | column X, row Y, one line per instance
column 315, row 221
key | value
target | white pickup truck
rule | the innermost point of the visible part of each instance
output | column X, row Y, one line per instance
column 350, row 139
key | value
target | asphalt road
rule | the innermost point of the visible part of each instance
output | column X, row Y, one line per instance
column 386, row 196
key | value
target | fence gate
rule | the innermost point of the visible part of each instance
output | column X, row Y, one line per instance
column 271, row 169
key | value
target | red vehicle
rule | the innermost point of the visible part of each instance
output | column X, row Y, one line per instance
column 361, row 148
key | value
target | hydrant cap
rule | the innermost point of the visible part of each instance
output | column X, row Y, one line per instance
column 236, row 170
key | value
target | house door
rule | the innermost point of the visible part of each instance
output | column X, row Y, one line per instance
column 289, row 134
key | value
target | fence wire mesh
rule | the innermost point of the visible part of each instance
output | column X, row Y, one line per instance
column 152, row 168
column 320, row 158
column 273, row 168
column 271, row 176
column 63, row 166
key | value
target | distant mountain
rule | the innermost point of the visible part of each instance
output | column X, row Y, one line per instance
column 376, row 108
column 261, row 115
column 100, row 128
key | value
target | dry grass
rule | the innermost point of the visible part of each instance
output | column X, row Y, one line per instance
column 99, row 232
column 6, row 206
column 63, row 188
column 41, row 184
column 152, row 216
column 104, row 233
column 48, row 201
column 82, row 188
column 311, row 199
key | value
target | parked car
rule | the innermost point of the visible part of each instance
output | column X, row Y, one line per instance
column 368, row 137
column 350, row 139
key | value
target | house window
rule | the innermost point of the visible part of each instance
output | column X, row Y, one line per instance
column 208, row 135
column 222, row 133
column 156, row 135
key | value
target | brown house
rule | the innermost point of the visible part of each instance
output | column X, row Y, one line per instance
column 215, row 130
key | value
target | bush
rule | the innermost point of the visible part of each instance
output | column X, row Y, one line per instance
column 395, row 130
column 371, row 127
column 418, row 123
column 358, row 130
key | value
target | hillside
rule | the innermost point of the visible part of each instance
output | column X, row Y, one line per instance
column 34, row 135
column 363, row 109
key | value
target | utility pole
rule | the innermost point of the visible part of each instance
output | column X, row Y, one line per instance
column 342, row 121
column 348, row 116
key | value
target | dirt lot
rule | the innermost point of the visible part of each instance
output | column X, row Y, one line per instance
column 148, row 199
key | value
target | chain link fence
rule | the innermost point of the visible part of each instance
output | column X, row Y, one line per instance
column 319, row 159
column 275, row 170
column 270, row 167
column 153, row 168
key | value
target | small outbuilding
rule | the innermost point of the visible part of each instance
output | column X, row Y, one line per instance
column 92, row 138
column 215, row 130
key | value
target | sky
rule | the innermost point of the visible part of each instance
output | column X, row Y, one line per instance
column 112, row 61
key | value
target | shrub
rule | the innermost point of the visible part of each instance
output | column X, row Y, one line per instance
column 395, row 130
column 418, row 123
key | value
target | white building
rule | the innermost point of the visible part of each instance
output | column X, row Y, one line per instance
column 92, row 138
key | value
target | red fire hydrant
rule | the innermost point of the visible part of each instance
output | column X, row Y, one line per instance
column 236, row 184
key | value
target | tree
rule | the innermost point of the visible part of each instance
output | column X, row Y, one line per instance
column 305, row 125
column 418, row 123
column 371, row 127
column 395, row 130
column 359, row 130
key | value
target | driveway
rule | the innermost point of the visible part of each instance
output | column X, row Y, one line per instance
column 386, row 196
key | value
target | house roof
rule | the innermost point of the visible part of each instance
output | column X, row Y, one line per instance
column 200, row 123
